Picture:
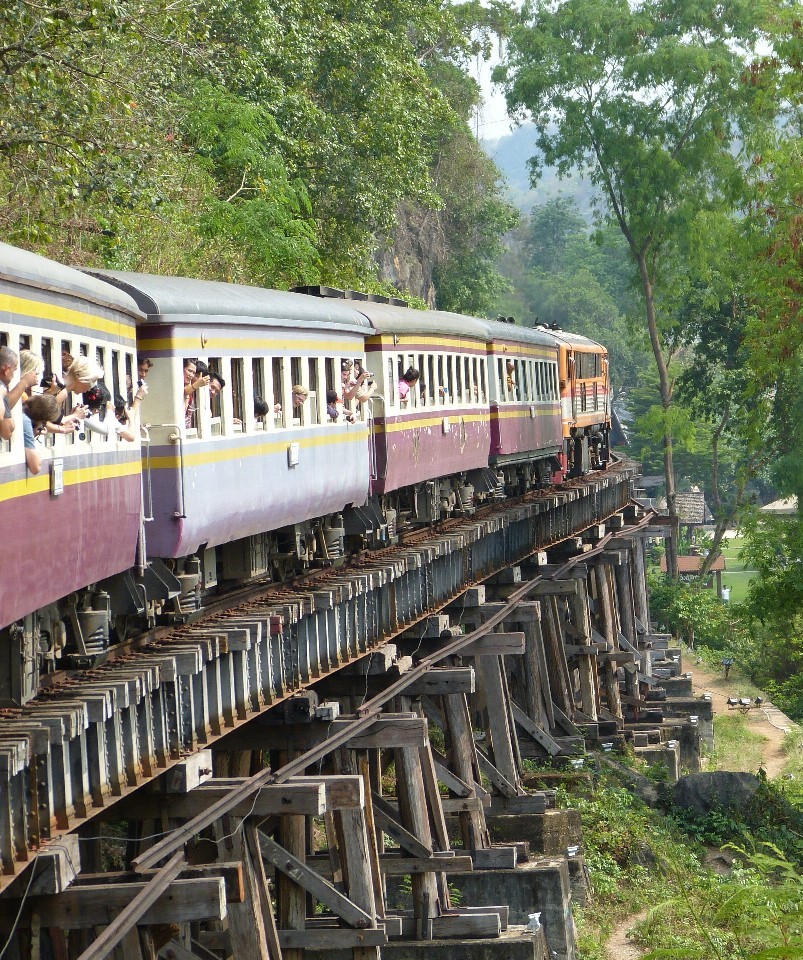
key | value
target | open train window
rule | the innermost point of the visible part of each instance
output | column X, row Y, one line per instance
column 314, row 386
column 459, row 395
column 129, row 376
column 431, row 385
column 215, row 365
column 115, row 378
column 258, row 376
column 238, row 393
column 277, row 366
column 299, row 410
column 3, row 338
column 25, row 341
column 392, row 390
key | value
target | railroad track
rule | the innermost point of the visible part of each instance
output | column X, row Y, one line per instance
column 91, row 738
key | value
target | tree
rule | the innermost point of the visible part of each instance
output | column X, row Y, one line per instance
column 651, row 100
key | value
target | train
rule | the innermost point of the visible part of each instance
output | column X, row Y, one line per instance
column 114, row 537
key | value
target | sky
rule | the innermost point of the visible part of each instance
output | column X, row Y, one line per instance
column 491, row 121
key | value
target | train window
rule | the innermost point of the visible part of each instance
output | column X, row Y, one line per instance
column 313, row 375
column 524, row 380
column 238, row 393
column 422, row 387
column 47, row 354
column 440, row 382
column 458, row 396
column 391, row 393
column 3, row 338
column 115, row 378
column 431, row 385
column 298, row 413
column 129, row 376
column 278, row 391
column 258, row 376
column 25, row 341
column 215, row 365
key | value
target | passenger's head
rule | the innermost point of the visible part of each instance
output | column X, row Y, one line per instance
column 346, row 367
column 144, row 365
column 331, row 396
column 97, row 396
column 119, row 407
column 261, row 408
column 190, row 370
column 82, row 374
column 300, row 394
column 411, row 375
column 31, row 363
column 43, row 408
column 9, row 362
column 216, row 383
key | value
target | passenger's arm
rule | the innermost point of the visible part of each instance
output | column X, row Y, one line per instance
column 23, row 385
column 33, row 459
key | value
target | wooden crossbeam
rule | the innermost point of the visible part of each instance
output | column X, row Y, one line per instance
column 529, row 726
column 313, row 883
column 502, row 784
column 82, row 907
column 495, row 644
column 387, row 820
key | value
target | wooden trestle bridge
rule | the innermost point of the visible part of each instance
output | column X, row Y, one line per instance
column 320, row 767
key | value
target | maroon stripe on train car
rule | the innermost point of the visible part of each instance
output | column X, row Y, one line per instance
column 511, row 435
column 418, row 453
column 56, row 545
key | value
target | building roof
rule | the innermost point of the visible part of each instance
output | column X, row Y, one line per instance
column 694, row 564
column 781, row 508
column 650, row 480
column 692, row 508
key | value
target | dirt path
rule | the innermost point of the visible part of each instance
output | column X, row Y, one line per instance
column 766, row 720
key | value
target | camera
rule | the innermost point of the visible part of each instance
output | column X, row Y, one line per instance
column 140, row 382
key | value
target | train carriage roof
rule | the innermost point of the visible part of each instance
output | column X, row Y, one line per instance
column 173, row 300
column 576, row 340
column 32, row 270
column 388, row 318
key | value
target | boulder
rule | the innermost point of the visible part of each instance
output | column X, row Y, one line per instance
column 720, row 790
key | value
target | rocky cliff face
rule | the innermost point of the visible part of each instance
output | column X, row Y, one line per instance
column 408, row 258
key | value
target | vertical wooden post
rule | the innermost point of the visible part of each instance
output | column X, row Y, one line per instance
column 463, row 761
column 489, row 676
column 602, row 590
column 538, row 698
column 292, row 899
column 640, row 595
column 624, row 592
column 556, row 657
column 246, row 926
column 414, row 816
column 359, row 853
column 587, row 666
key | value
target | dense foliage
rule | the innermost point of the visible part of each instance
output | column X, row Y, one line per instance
column 255, row 140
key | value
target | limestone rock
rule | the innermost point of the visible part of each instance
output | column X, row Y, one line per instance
column 720, row 790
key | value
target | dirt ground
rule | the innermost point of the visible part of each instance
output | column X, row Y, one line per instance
column 766, row 720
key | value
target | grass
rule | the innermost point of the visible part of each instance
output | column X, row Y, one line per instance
column 738, row 747
column 736, row 575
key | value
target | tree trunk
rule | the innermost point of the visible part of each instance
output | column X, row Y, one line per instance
column 666, row 402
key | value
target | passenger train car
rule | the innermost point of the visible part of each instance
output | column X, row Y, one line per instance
column 116, row 536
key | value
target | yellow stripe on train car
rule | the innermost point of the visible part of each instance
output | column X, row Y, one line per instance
column 186, row 345
column 24, row 307
column 432, row 421
column 203, row 457
column 13, row 489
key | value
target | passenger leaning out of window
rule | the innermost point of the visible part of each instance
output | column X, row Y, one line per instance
column 409, row 378
column 192, row 384
column 37, row 412
column 9, row 364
